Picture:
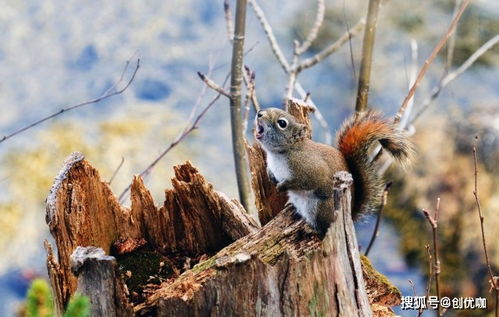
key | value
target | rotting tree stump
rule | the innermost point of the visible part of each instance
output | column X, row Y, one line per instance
column 200, row 254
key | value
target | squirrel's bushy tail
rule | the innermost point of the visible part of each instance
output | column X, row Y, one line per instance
column 355, row 141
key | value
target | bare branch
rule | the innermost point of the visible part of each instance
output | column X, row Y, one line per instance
column 307, row 97
column 292, row 75
column 328, row 137
column 482, row 219
column 210, row 83
column 270, row 35
column 191, row 126
column 430, row 275
column 309, row 62
column 455, row 74
column 347, row 26
column 378, row 218
column 109, row 93
column 412, row 79
column 319, row 19
column 367, row 53
column 433, row 221
column 452, row 41
column 249, row 80
column 192, row 122
column 116, row 171
column 413, row 286
column 240, row 155
column 228, row 21
column 430, row 60
column 378, row 150
column 285, row 64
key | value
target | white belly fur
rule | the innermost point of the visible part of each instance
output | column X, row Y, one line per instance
column 278, row 165
column 304, row 201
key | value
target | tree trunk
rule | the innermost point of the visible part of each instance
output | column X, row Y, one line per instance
column 201, row 254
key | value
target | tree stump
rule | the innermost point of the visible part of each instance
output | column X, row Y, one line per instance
column 98, row 279
column 200, row 253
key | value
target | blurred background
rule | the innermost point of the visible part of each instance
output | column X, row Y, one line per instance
column 57, row 53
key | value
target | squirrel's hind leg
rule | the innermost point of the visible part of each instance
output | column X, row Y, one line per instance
column 324, row 216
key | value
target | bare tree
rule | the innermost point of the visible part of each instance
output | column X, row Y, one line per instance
column 367, row 56
column 236, row 79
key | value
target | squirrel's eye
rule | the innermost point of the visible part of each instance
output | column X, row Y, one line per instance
column 282, row 123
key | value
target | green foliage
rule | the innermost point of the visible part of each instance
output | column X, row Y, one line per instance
column 78, row 306
column 39, row 302
column 39, row 299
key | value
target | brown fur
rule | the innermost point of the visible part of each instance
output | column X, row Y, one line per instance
column 355, row 140
column 311, row 165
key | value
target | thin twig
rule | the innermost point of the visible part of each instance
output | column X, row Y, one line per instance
column 377, row 152
column 430, row 60
column 309, row 62
column 378, row 219
column 116, row 171
column 350, row 48
column 436, row 260
column 285, row 64
column 191, row 126
column 430, row 274
column 319, row 19
column 413, row 286
column 210, row 83
column 192, row 122
column 293, row 73
column 276, row 49
column 366, row 59
column 455, row 74
column 452, row 42
column 412, row 79
column 229, row 23
column 328, row 137
column 482, row 219
column 307, row 97
column 249, row 80
column 107, row 94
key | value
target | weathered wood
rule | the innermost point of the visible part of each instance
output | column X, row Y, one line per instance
column 381, row 293
column 82, row 211
column 59, row 288
column 99, row 279
column 301, row 110
column 281, row 269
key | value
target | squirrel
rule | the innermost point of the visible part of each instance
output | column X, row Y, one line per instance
column 304, row 168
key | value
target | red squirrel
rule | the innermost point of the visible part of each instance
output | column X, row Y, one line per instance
column 304, row 168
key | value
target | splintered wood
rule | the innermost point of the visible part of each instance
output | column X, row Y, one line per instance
column 82, row 211
column 200, row 254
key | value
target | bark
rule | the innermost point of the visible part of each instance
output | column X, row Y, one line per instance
column 236, row 79
column 99, row 279
column 361, row 102
column 200, row 253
